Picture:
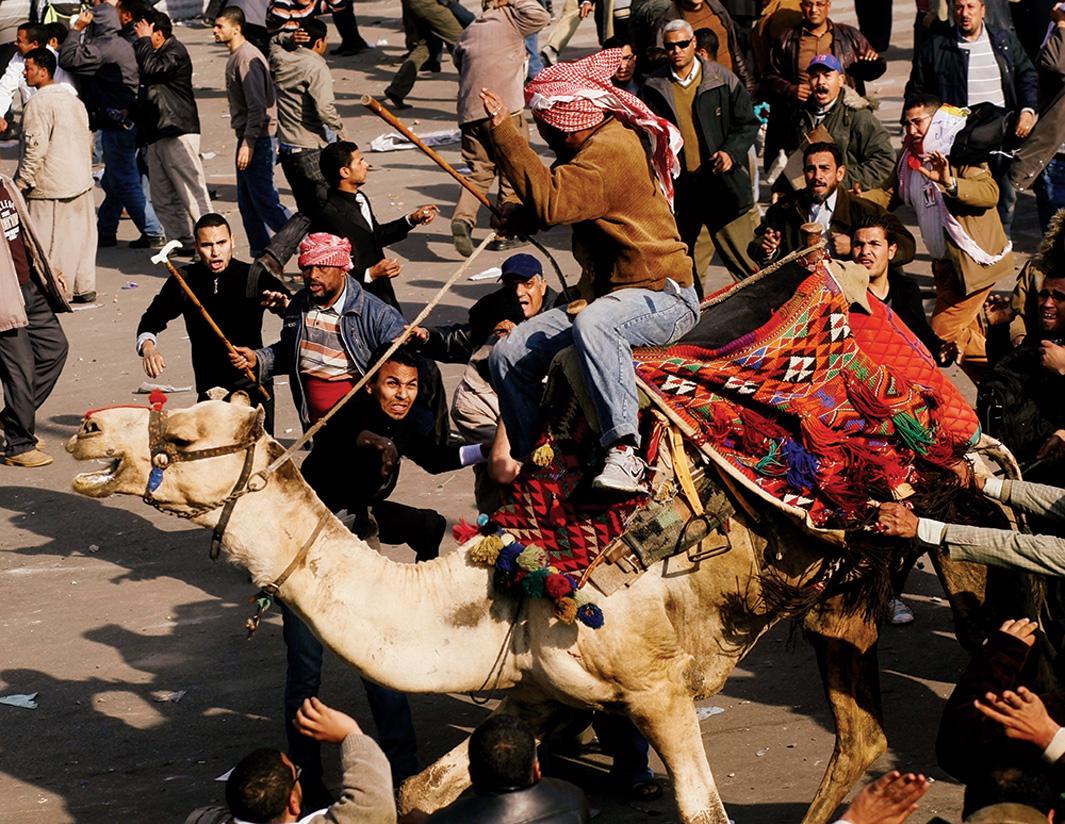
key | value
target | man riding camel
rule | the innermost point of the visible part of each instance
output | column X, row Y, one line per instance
column 636, row 275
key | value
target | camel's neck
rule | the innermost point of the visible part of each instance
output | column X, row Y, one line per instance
column 423, row 627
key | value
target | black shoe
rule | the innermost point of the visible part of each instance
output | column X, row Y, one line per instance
column 148, row 242
column 431, row 66
column 105, row 242
column 396, row 102
column 351, row 49
column 84, row 297
column 460, row 235
column 503, row 244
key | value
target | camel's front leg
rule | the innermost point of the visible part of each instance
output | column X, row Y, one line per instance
column 846, row 655
column 667, row 719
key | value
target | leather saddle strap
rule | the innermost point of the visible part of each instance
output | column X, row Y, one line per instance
column 682, row 469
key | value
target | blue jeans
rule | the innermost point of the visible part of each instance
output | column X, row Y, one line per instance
column 1050, row 191
column 603, row 336
column 122, row 185
column 260, row 208
column 303, row 677
column 536, row 63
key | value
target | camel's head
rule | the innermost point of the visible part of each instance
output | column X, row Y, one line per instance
column 164, row 462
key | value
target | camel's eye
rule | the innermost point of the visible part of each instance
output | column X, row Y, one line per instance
column 180, row 443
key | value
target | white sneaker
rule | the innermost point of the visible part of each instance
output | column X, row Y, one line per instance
column 899, row 613
column 622, row 472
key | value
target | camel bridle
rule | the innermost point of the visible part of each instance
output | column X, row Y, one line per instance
column 163, row 454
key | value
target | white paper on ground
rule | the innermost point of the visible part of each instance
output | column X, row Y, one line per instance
column 28, row 701
column 392, row 142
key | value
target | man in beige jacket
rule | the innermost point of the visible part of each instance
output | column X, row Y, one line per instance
column 55, row 175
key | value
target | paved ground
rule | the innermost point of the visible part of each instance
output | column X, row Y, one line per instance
column 109, row 607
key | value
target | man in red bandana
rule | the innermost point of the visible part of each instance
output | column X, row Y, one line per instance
column 635, row 272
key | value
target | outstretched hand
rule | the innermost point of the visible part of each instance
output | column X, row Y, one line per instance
column 888, row 800
column 938, row 169
column 1022, row 714
column 323, row 723
column 494, row 108
column 897, row 521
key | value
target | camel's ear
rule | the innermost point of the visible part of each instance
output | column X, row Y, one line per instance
column 217, row 393
column 240, row 398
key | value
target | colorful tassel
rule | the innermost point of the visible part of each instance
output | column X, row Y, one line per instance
column 770, row 464
column 533, row 583
column 487, row 551
column 558, row 586
column 566, row 610
column 802, row 466
column 912, row 433
column 542, row 455
column 818, row 438
column 590, row 615
column 464, row 531
column 757, row 429
column 864, row 398
column 508, row 557
column 581, row 597
column 532, row 558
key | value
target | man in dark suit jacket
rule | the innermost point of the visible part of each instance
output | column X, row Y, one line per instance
column 347, row 213
column 823, row 201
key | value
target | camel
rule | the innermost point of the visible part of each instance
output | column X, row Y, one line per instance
column 668, row 640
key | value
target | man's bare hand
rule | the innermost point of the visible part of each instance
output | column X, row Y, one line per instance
column 1023, row 629
column 1025, row 122
column 301, row 38
column 323, row 723
column 947, row 354
column 869, row 54
column 242, row 357
column 418, row 333
column 938, row 169
column 142, row 28
column 243, row 156
column 1022, row 714
column 274, row 301
column 888, row 800
column 494, row 108
column 386, row 448
column 1053, row 449
column 1052, row 356
column 998, row 309
column 152, row 360
column 423, row 215
column 771, row 241
column 586, row 8
column 802, row 92
column 841, row 246
column 83, row 20
column 387, row 268
column 721, row 162
column 897, row 521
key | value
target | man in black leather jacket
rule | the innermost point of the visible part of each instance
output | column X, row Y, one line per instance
column 169, row 126
column 507, row 786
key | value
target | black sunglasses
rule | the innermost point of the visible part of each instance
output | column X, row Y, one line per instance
column 676, row 45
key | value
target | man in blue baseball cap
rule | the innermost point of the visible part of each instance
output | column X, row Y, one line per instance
column 846, row 117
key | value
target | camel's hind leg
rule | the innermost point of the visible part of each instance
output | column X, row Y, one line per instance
column 667, row 719
column 846, row 655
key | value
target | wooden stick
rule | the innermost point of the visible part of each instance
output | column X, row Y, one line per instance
column 393, row 121
column 398, row 342
column 174, row 273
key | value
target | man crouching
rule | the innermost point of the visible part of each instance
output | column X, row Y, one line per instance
column 635, row 274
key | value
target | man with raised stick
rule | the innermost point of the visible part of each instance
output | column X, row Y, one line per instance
column 636, row 274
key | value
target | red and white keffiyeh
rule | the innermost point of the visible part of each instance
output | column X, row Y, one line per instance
column 324, row 249
column 579, row 95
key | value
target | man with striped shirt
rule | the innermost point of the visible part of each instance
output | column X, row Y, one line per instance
column 978, row 63
column 332, row 328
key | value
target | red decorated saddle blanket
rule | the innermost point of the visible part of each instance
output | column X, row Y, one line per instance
column 821, row 408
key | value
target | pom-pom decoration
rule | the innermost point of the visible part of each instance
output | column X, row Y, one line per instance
column 532, row 558
column 533, row 583
column 566, row 610
column 464, row 531
column 487, row 551
column 542, row 455
column 590, row 615
column 558, row 586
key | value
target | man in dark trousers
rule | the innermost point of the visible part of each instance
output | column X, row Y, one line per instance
column 221, row 284
column 33, row 347
column 347, row 213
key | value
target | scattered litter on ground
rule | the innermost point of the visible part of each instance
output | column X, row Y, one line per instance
column 130, row 285
column 208, row 155
column 392, row 142
column 381, row 42
column 81, row 307
column 27, row 701
column 169, row 697
column 94, row 548
column 225, row 776
column 762, row 751
column 147, row 388
column 702, row 713
column 494, row 273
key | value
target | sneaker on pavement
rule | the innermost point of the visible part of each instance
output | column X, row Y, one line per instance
column 622, row 472
column 898, row 613
column 460, row 235
column 84, row 297
column 503, row 244
column 29, row 460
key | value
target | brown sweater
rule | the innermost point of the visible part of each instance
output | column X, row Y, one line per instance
column 624, row 234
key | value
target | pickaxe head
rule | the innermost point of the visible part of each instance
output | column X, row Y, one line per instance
column 164, row 253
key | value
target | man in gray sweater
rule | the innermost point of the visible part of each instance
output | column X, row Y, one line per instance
column 253, row 116
column 307, row 115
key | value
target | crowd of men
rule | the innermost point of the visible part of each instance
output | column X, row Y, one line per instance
column 703, row 127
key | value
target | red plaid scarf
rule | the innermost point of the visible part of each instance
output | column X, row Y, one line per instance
column 578, row 95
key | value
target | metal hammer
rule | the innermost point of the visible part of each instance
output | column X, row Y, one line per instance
column 163, row 258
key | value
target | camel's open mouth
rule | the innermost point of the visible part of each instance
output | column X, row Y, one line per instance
column 85, row 446
column 100, row 483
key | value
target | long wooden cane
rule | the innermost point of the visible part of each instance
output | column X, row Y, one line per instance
column 164, row 258
column 397, row 124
